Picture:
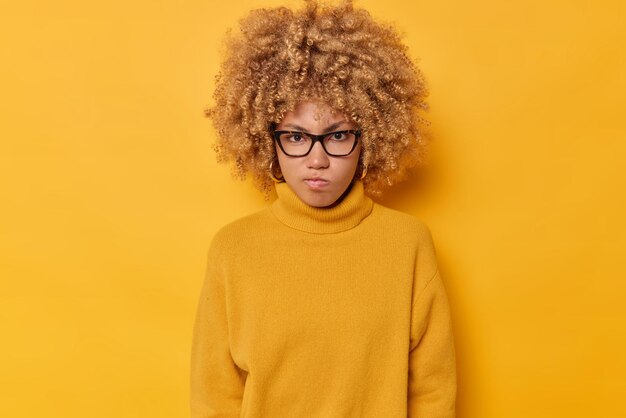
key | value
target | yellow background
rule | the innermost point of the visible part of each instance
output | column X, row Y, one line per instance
column 110, row 196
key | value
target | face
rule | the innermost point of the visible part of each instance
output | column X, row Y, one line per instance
column 318, row 179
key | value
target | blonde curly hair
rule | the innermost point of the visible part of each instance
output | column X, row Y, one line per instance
column 335, row 54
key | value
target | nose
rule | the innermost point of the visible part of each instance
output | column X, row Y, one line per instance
column 317, row 158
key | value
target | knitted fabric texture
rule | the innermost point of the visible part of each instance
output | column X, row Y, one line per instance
column 328, row 313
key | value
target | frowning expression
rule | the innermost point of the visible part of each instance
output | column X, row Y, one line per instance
column 317, row 178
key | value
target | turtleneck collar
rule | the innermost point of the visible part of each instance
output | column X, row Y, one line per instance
column 347, row 214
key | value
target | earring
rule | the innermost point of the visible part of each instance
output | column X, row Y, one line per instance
column 273, row 177
column 364, row 173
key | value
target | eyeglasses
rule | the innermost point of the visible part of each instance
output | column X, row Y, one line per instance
column 300, row 144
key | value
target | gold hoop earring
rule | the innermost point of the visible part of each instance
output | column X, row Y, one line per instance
column 273, row 177
column 364, row 173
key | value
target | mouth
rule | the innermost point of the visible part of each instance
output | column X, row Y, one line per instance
column 316, row 183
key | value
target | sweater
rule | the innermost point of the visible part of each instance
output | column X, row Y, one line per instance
column 333, row 312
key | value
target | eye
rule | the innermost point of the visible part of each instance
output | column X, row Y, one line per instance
column 295, row 137
column 338, row 136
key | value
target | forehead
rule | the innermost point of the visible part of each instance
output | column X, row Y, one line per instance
column 313, row 114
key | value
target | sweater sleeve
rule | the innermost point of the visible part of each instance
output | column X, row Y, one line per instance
column 217, row 383
column 432, row 363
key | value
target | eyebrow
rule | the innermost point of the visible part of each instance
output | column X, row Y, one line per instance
column 328, row 129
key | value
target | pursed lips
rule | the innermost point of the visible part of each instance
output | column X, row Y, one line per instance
column 316, row 182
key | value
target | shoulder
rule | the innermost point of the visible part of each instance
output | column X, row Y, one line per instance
column 240, row 230
column 410, row 233
column 402, row 224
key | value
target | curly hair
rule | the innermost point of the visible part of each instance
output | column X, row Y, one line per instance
column 335, row 54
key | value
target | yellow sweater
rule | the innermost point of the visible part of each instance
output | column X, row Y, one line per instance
column 323, row 313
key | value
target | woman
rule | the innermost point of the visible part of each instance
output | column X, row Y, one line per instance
column 325, row 304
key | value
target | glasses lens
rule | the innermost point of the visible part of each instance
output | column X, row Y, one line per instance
column 339, row 143
column 295, row 143
column 298, row 144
